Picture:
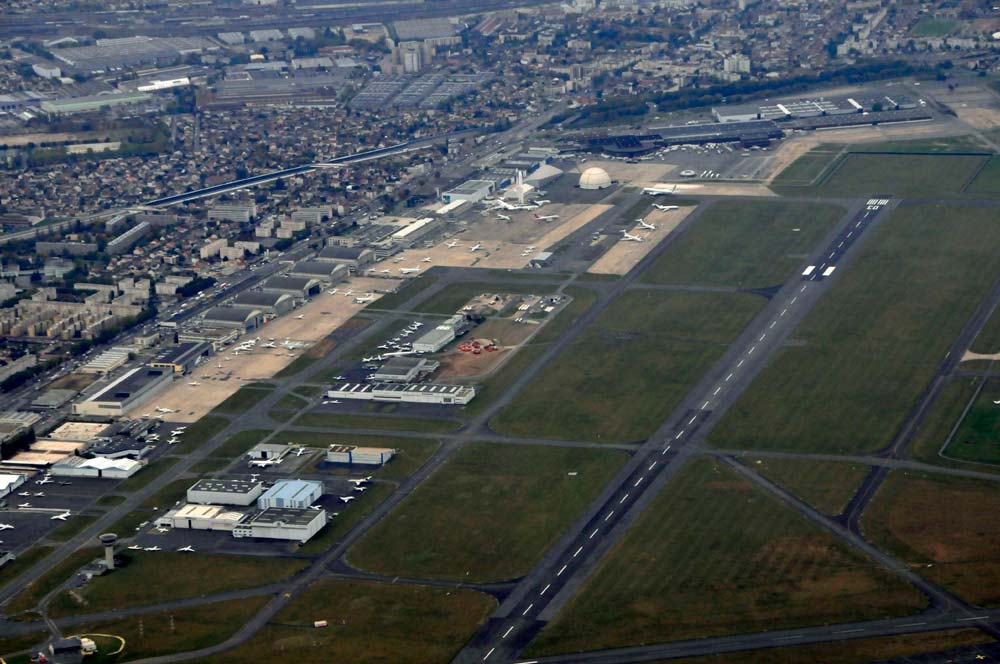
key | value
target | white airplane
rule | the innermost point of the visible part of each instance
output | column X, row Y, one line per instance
column 997, row 403
column 299, row 452
column 631, row 238
column 300, row 316
column 647, row 226
column 40, row 494
column 166, row 410
column 408, row 270
column 179, row 430
column 46, row 479
column 476, row 247
column 546, row 217
column 376, row 358
column 186, row 549
column 152, row 548
column 333, row 292
column 361, row 480
column 6, row 526
column 452, row 244
column 360, row 488
column 194, row 383
column 504, row 205
column 218, row 366
column 347, row 499
column 666, row 208
column 386, row 272
column 173, row 440
column 542, row 201
column 426, row 260
column 268, row 345
column 24, row 506
column 135, row 547
column 503, row 216
column 60, row 517
column 347, row 293
column 660, row 191
column 23, row 493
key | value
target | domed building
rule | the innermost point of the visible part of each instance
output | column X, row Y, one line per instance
column 595, row 178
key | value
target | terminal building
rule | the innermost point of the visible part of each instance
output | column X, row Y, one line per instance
column 116, row 398
column 430, row 393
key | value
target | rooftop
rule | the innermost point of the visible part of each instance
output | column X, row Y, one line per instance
column 225, row 486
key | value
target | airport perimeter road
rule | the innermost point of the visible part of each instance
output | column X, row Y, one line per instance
column 559, row 576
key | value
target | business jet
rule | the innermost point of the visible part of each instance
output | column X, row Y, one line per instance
column 24, row 506
column 173, row 440
column 503, row 216
column 46, row 479
column 643, row 223
column 186, row 549
column 666, row 208
column 179, row 430
column 476, row 247
column 361, row 480
column 997, row 403
column 332, row 292
column 542, row 201
column 347, row 499
column 408, row 270
column 299, row 452
column 60, row 517
column 360, row 488
column 39, row 494
column 427, row 260
column 135, row 547
column 268, row 345
column 631, row 238
column 660, row 191
column 375, row 358
column 452, row 244
column 386, row 272
column 348, row 293
column 152, row 548
column 300, row 316
column 364, row 299
column 194, row 383
column 165, row 410
column 6, row 526
column 546, row 217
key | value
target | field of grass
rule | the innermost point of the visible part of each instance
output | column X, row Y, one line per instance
column 375, row 422
column 411, row 453
column 807, row 168
column 239, row 443
column 454, row 297
column 933, row 27
column 713, row 555
column 901, row 175
column 348, row 517
column 200, row 432
column 33, row 593
column 23, row 561
column 71, row 527
column 859, row 651
column 308, row 391
column 624, row 375
column 12, row 644
column 824, row 485
column 937, row 145
column 242, row 401
column 746, row 244
column 412, row 288
column 369, row 623
column 875, row 340
column 147, row 474
column 488, row 514
column 169, row 632
column 153, row 506
column 944, row 413
column 988, row 339
column 945, row 526
column 978, row 436
column 153, row 578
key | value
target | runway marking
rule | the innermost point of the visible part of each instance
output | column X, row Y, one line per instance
column 545, row 588
column 525, row 612
column 679, row 434
column 593, row 533
column 783, row 311
column 624, row 498
column 752, row 349
column 651, row 466
column 913, row 624
column 858, row 224
column 739, row 364
column 610, row 514
column 667, row 448
column 788, row 638
column 972, row 618
column 762, row 337
column 664, row 451
column 803, row 288
column 850, row 233
column 507, row 633
column 729, row 377
column 840, row 245
column 850, row 631
column 704, row 405
column 716, row 391
column 488, row 654
column 793, row 299
column 559, row 573
column 773, row 323
column 639, row 481
column 578, row 552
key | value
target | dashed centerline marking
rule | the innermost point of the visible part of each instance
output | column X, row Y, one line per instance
column 793, row 299
column 850, row 631
column 545, row 588
column 525, row 612
column 752, row 349
column 783, row 311
column 693, row 418
column 624, row 498
column 972, row 618
column 578, row 552
column 507, row 633
column 679, row 434
column 773, row 323
column 610, row 514
column 761, row 337
column 487, row 656
column 651, row 466
column 729, row 376
column 739, row 364
column 801, row 290
column 639, row 481
column 916, row 624
column 716, row 391
column 559, row 573
column 704, row 405
column 593, row 533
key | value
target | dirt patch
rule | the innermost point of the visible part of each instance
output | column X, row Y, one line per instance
column 622, row 257
column 504, row 333
column 73, row 381
column 980, row 118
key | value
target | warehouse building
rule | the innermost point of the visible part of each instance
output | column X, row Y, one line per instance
column 116, row 398
column 293, row 494
column 437, row 338
column 201, row 517
column 325, row 273
column 405, row 369
column 272, row 452
column 233, row 318
column 92, row 103
column 365, row 456
column 224, row 492
column 183, row 357
column 271, row 303
column 283, row 524
column 301, row 287
column 122, row 447
column 101, row 467
column 407, row 236
column 354, row 258
column 108, row 361
column 432, row 393
column 471, row 191
column 10, row 481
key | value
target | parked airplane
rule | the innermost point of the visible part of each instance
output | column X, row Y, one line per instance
column 164, row 410
column 299, row 452
column 502, row 204
column 173, row 440
column 666, row 208
column 364, row 299
column 542, row 201
column 631, row 238
column 476, row 247
column 997, row 403
column 194, row 383
column 660, row 191
column 46, row 479
column 152, row 548
column 268, row 345
column 347, row 499
column 427, row 260
column 452, row 244
column 408, row 270
column 186, row 549
column 546, row 217
column 331, row 401
column 361, row 480
column 135, row 547
column 647, row 226
column 503, row 216
column 333, row 292
column 60, row 517
column 24, row 506
column 386, row 272
column 6, row 526
column 300, row 316
column 40, row 494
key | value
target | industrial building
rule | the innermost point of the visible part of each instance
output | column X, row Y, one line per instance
column 10, row 481
column 92, row 103
column 201, row 517
column 225, row 492
column 268, row 452
column 233, row 318
column 121, row 448
column 595, row 178
column 301, row 287
column 101, row 467
column 365, row 456
column 271, row 303
column 183, row 357
column 326, row 273
column 405, row 369
column 440, row 336
column 431, row 393
column 108, row 361
column 355, row 258
column 294, row 494
column 121, row 394
column 298, row 525
column 471, row 191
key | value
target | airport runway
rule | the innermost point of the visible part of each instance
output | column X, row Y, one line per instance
column 563, row 570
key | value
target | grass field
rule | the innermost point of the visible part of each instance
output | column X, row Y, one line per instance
column 71, row 527
column 745, row 244
column 348, row 517
column 713, row 555
column 152, row 506
column 369, row 623
column 452, row 298
column 33, row 593
column 978, row 436
column 242, row 401
column 24, row 560
column 936, row 145
column 824, row 485
column 412, row 288
column 169, row 632
column 988, row 339
column 488, row 514
column 12, row 644
column 621, row 378
column 200, row 432
column 239, row 443
column 901, row 175
column 805, row 170
column 942, row 416
column 346, row 421
column 988, row 180
column 875, row 340
column 859, row 651
column 153, row 578
column 933, row 27
column 946, row 526
column 147, row 474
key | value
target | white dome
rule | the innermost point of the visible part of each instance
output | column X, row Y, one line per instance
column 594, row 178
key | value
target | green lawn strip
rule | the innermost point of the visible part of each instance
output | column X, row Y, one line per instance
column 937, row 425
column 412, row 288
column 146, row 475
column 714, row 555
column 32, row 594
column 309, row 391
column 987, row 341
column 855, row 651
column 291, row 402
column 23, row 561
column 963, row 143
column 745, row 244
column 988, row 180
column 110, row 500
column 827, row 486
column 240, row 443
column 978, row 435
column 170, row 632
column 349, row 515
column 13, row 644
column 152, row 578
column 488, row 514
column 72, row 527
column 209, row 465
column 901, row 175
column 241, row 401
column 624, row 375
column 873, row 343
column 454, row 297
column 368, row 623
column 932, row 27
column 375, row 422
column 411, row 453
column 942, row 526
column 281, row 415
column 200, row 432
column 806, row 169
